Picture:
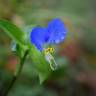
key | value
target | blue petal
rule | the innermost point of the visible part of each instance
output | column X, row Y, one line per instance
column 57, row 31
column 38, row 37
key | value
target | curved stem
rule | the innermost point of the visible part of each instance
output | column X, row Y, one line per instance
column 15, row 77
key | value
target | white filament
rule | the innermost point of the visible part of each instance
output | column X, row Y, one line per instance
column 50, row 60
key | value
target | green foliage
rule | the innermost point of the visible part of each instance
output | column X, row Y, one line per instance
column 13, row 31
column 41, row 65
column 22, row 42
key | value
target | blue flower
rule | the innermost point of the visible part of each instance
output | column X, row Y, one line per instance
column 54, row 33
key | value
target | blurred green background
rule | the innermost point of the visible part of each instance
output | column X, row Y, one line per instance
column 76, row 56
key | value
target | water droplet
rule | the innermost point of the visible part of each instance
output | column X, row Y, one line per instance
column 57, row 41
column 62, row 37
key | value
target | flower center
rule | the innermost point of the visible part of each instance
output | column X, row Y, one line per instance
column 49, row 50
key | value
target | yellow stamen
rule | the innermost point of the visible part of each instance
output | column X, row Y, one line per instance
column 49, row 50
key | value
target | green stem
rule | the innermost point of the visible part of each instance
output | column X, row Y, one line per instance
column 15, row 77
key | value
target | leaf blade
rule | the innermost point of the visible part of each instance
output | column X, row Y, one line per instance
column 13, row 31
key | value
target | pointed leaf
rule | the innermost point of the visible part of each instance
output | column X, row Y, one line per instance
column 13, row 31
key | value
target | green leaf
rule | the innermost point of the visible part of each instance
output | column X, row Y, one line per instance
column 19, row 51
column 40, row 64
column 27, row 29
column 13, row 31
column 42, row 76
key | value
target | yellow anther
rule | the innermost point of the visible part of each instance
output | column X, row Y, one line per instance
column 49, row 50
column 46, row 51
